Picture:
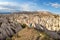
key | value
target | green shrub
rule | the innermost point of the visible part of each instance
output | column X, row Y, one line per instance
column 8, row 38
column 23, row 25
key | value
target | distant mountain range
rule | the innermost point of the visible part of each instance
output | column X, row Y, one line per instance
column 27, row 12
column 5, row 12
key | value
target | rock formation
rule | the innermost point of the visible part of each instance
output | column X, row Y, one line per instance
column 52, row 34
column 10, row 23
column 8, row 28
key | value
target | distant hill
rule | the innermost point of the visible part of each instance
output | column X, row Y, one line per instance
column 5, row 12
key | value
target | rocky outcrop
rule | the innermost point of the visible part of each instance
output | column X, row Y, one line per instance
column 30, row 34
column 10, row 23
column 52, row 34
column 27, row 34
column 7, row 28
column 50, row 21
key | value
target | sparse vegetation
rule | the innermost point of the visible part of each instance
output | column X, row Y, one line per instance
column 31, row 34
column 8, row 38
column 55, row 16
column 23, row 25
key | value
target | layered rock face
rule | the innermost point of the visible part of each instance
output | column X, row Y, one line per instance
column 50, row 21
column 10, row 23
column 8, row 27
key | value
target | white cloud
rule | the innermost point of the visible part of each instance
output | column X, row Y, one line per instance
column 5, row 6
column 13, row 6
column 25, row 7
column 29, row 6
column 56, row 5
column 6, row 9
column 9, row 4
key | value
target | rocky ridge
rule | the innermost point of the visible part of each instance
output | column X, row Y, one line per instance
column 11, row 23
column 51, row 21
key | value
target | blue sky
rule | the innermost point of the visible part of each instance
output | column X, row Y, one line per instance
column 30, row 5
